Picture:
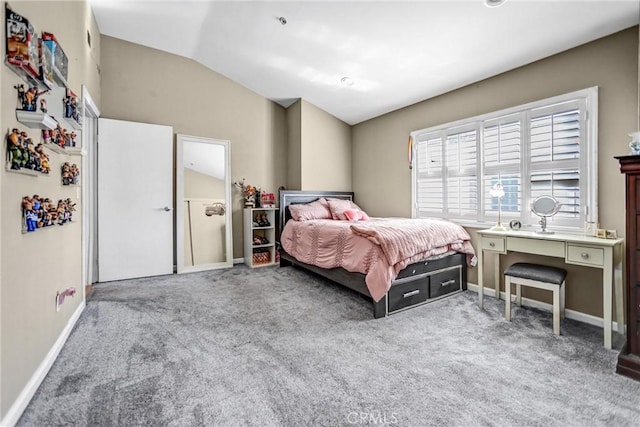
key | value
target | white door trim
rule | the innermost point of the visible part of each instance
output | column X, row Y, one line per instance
column 89, row 150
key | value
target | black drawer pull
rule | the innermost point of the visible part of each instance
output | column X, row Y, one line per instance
column 410, row 294
column 448, row 282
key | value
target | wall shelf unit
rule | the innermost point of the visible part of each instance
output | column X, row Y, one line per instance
column 23, row 171
column 36, row 119
column 259, row 237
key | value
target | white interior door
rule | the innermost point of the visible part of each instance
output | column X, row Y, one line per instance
column 135, row 200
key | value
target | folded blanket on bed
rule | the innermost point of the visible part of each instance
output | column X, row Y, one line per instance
column 401, row 239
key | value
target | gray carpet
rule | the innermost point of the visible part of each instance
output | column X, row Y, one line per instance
column 279, row 347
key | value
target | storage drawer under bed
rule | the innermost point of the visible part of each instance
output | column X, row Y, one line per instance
column 444, row 282
column 409, row 292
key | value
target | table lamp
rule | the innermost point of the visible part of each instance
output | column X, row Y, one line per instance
column 497, row 191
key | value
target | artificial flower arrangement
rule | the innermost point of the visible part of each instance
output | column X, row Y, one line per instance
column 249, row 192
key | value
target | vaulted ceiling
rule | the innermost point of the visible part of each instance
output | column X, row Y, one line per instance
column 360, row 59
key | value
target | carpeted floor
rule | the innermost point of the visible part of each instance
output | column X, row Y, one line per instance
column 279, row 347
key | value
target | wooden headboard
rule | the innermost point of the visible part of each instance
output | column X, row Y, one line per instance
column 294, row 197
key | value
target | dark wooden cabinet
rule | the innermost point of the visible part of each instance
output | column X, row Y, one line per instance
column 629, row 358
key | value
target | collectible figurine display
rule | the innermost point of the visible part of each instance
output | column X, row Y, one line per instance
column 22, row 153
column 28, row 99
column 70, row 104
column 39, row 213
column 22, row 44
column 59, row 137
column 60, row 62
column 44, row 159
column 14, row 149
column 70, row 174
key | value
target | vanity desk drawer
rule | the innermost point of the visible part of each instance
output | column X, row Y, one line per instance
column 493, row 244
column 585, row 255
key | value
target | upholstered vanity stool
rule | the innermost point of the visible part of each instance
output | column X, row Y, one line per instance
column 536, row 276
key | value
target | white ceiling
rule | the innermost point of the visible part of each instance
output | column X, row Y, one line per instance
column 396, row 53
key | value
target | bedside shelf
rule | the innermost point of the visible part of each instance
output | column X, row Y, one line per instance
column 261, row 255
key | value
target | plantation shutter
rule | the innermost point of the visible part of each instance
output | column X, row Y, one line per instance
column 461, row 177
column 502, row 148
column 429, row 182
column 555, row 137
column 547, row 147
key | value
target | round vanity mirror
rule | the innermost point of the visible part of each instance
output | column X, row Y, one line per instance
column 544, row 207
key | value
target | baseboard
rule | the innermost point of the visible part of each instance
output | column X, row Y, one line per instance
column 568, row 313
column 238, row 261
column 23, row 399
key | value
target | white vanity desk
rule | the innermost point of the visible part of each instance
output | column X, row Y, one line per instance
column 605, row 254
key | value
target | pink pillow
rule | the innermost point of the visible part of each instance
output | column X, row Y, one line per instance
column 338, row 207
column 314, row 210
column 356, row 215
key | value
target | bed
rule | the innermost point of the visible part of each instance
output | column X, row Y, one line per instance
column 422, row 278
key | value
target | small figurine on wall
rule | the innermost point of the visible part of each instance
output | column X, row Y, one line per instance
column 70, row 102
column 72, row 139
column 22, row 101
column 74, row 109
column 63, row 214
column 30, row 215
column 15, row 149
column 67, row 178
column 31, row 155
column 70, row 206
column 43, row 105
column 44, row 159
column 39, row 209
column 67, row 106
column 46, row 136
column 63, row 138
column 30, row 102
column 75, row 173
column 50, row 212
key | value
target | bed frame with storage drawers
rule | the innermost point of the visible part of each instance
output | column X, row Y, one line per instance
column 419, row 283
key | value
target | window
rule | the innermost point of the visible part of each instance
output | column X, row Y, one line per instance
column 547, row 147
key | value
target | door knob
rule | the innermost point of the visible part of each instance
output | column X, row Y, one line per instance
column 167, row 208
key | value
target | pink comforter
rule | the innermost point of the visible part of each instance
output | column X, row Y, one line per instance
column 378, row 248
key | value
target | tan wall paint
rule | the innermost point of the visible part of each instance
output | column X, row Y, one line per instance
column 610, row 63
column 326, row 150
column 201, row 186
column 171, row 90
column 36, row 265
column 294, row 141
